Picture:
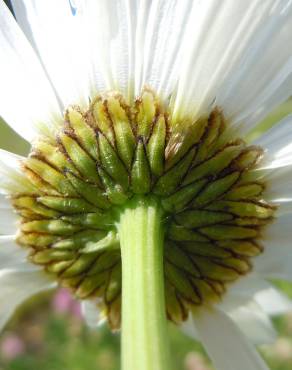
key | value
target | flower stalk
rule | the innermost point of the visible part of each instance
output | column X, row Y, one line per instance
column 144, row 325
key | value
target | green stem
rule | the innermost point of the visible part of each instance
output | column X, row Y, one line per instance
column 144, row 325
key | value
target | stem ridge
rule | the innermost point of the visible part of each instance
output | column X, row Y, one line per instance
column 144, row 325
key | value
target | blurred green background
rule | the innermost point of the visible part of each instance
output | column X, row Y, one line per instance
column 48, row 331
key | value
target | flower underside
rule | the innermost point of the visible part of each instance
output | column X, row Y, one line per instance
column 75, row 186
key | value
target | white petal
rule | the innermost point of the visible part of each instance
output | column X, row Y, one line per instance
column 226, row 345
column 8, row 221
column 57, row 33
column 11, row 254
column 110, row 56
column 284, row 205
column 91, row 313
column 157, row 51
column 133, row 43
column 279, row 182
column 250, row 314
column 26, row 97
column 11, row 178
column 276, row 260
column 277, row 143
column 273, row 302
column 255, row 288
column 229, row 57
column 254, row 323
column 247, row 286
column 165, row 45
column 137, row 43
column 277, row 140
column 8, row 218
column 188, row 327
column 242, row 291
column 10, row 160
column 4, row 202
column 249, row 302
column 17, row 286
column 263, row 80
column 241, row 303
column 278, row 96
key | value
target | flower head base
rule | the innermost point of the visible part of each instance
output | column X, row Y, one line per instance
column 80, row 181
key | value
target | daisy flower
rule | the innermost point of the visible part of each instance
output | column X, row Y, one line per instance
column 141, row 192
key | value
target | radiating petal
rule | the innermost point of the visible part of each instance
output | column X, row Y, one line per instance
column 279, row 182
column 276, row 97
column 168, row 45
column 8, row 218
column 273, row 302
column 11, row 178
column 255, row 288
column 137, row 43
column 224, row 342
column 11, row 254
column 254, row 323
column 91, row 313
column 277, row 140
column 4, row 201
column 188, row 327
column 8, row 221
column 249, row 301
column 26, row 97
column 242, row 291
column 284, row 205
column 17, row 286
column 250, row 318
column 9, row 170
column 238, row 72
column 8, row 167
column 276, row 260
column 262, row 81
column 157, row 51
column 241, row 304
column 278, row 145
column 57, row 34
